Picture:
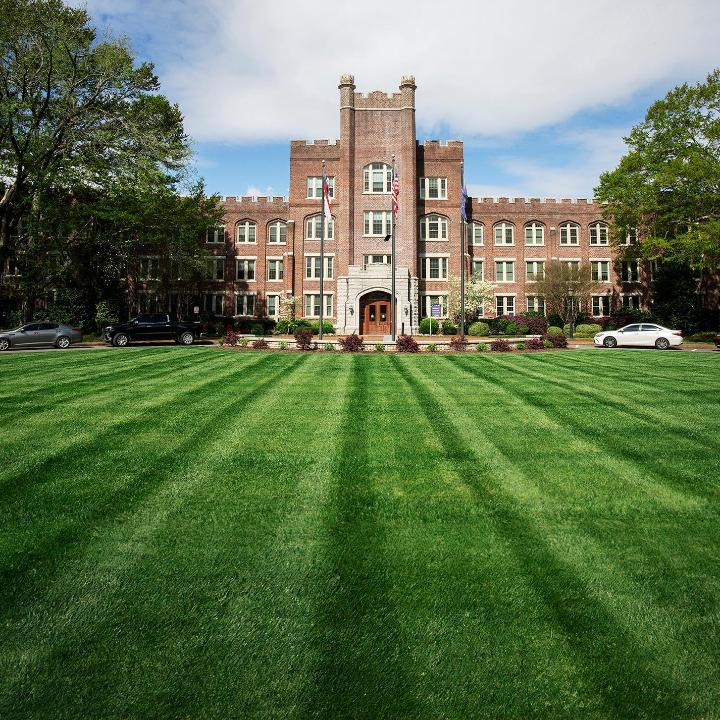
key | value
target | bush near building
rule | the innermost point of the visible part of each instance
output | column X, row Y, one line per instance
column 407, row 344
column 500, row 345
column 429, row 326
column 584, row 330
column 479, row 329
column 352, row 343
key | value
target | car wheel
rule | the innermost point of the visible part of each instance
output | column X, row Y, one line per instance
column 120, row 340
column 4, row 344
column 63, row 342
column 610, row 342
column 186, row 338
column 662, row 343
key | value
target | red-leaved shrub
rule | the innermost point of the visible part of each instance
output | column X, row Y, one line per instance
column 558, row 341
column 458, row 344
column 500, row 345
column 406, row 343
column 260, row 344
column 535, row 343
column 303, row 338
column 352, row 343
column 231, row 335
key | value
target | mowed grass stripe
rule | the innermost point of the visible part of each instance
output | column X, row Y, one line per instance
column 67, row 622
column 581, row 615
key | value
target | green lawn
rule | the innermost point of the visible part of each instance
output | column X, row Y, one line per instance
column 200, row 533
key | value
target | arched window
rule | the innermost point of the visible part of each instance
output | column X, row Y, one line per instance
column 377, row 179
column 504, row 233
column 476, row 233
column 434, row 227
column 569, row 233
column 246, row 231
column 598, row 233
column 277, row 232
column 312, row 228
column 534, row 233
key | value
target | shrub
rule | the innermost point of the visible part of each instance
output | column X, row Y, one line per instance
column 283, row 345
column 260, row 344
column 554, row 331
column 523, row 330
column 243, row 342
column 432, row 347
column 520, row 346
column 282, row 327
column 231, row 336
column 701, row 337
column 555, row 320
column 510, row 329
column 257, row 329
column 407, row 344
column 458, row 344
column 479, row 328
column 328, row 328
column 426, row 324
column 500, row 345
column 547, row 344
column 584, row 330
column 534, row 344
column 558, row 341
column 106, row 313
column 352, row 343
column 481, row 347
column 379, row 347
column 448, row 328
column 328, row 347
column 303, row 338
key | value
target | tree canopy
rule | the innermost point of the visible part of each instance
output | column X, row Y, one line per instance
column 667, row 187
column 567, row 288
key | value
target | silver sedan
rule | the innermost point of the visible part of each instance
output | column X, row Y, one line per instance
column 40, row 334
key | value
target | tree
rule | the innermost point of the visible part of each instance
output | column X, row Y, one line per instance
column 478, row 297
column 668, row 185
column 567, row 288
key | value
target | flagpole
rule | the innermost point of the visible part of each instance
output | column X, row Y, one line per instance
column 463, row 228
column 392, row 259
column 322, row 248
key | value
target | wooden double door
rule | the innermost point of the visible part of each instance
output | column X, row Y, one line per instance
column 375, row 310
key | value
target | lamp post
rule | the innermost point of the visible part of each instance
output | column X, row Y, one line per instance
column 571, row 296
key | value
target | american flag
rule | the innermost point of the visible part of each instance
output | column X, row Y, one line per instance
column 326, row 198
column 395, row 190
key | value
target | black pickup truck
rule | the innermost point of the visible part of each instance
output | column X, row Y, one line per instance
column 155, row 326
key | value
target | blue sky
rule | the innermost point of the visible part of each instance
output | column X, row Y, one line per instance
column 541, row 93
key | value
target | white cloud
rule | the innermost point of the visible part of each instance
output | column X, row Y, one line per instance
column 254, row 191
column 243, row 70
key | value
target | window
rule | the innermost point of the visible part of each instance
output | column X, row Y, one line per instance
column 272, row 305
column 536, row 303
column 631, row 302
column 312, row 305
column 216, row 268
column 245, row 304
column 312, row 267
column 569, row 234
column 314, row 187
column 598, row 234
column 275, row 269
column 312, row 228
column 504, row 234
column 600, row 305
column 534, row 234
column 504, row 305
column 427, row 300
column 377, row 179
column 504, row 270
column 376, row 260
column 149, row 302
column 214, row 303
column 12, row 267
column 630, row 270
column 433, row 188
column 215, row 234
column 377, row 223
column 277, row 233
column 630, row 236
column 600, row 270
column 150, row 268
column 244, row 269
column 476, row 233
column 434, row 268
column 478, row 269
column 534, row 270
column 246, row 232
column 433, row 227
column 572, row 265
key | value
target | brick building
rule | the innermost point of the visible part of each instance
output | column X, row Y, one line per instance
column 269, row 248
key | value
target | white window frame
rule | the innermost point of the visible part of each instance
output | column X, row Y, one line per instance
column 312, row 227
column 370, row 260
column 474, row 273
column 597, row 264
column 249, row 229
column 276, row 297
column 427, row 221
column 246, row 263
column 598, row 301
column 599, row 234
column 426, row 300
column 278, row 226
column 369, row 176
column 504, row 273
column 214, row 263
column 506, row 230
column 505, row 297
column 315, row 313
column 537, row 302
column 629, row 264
column 426, row 266
column 314, row 186
column 312, row 269
column 566, row 235
column 279, row 268
column 215, row 235
column 369, row 218
column 214, row 296
column 426, row 184
column 630, row 296
column 245, row 297
column 537, row 234
column 476, row 234
column 533, row 275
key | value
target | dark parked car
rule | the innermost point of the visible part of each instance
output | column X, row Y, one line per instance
column 38, row 334
column 717, row 341
column 155, row 326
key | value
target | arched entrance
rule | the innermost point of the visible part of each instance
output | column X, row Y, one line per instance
column 375, row 313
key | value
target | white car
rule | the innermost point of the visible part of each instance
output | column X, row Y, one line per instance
column 641, row 335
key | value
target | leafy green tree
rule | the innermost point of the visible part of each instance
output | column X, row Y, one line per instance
column 668, row 185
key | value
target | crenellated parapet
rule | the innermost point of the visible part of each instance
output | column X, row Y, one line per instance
column 574, row 202
column 315, row 149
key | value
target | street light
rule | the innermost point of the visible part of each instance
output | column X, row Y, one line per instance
column 571, row 296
